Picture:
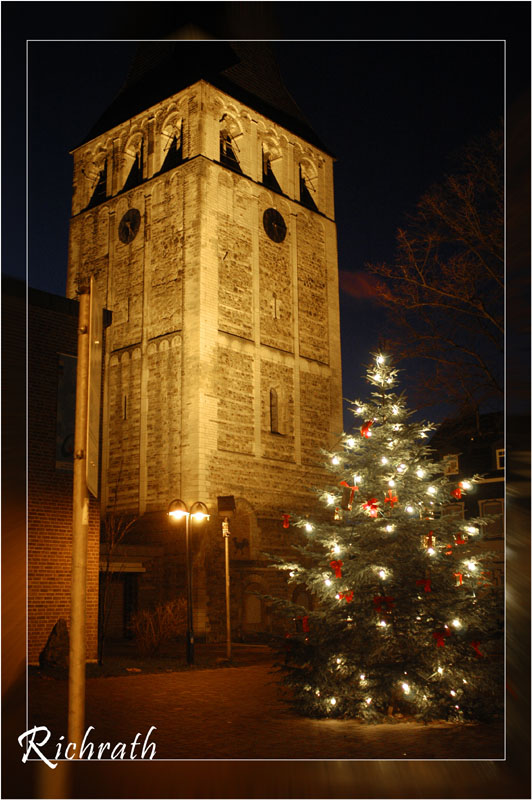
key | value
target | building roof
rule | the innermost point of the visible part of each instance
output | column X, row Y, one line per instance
column 246, row 71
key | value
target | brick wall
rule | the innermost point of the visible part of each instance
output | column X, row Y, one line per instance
column 52, row 329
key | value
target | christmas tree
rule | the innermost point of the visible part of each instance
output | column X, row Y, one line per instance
column 404, row 622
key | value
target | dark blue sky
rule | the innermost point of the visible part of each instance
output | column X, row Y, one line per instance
column 391, row 111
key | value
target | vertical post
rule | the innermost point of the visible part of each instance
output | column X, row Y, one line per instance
column 190, row 628
column 226, row 534
column 80, row 527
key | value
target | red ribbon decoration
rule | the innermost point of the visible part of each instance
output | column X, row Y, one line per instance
column 459, row 576
column 475, row 645
column 438, row 635
column 337, row 567
column 449, row 550
column 426, row 583
column 286, row 523
column 380, row 599
column 364, row 430
column 371, row 507
column 391, row 499
column 354, row 489
column 348, row 596
column 457, row 493
column 459, row 539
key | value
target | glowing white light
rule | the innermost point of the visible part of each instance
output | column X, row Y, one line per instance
column 350, row 442
column 457, row 706
column 362, row 677
column 390, row 380
column 350, row 619
column 406, row 688
column 335, row 460
column 378, row 376
column 401, row 468
column 380, row 359
column 466, row 485
column 317, row 692
column 409, row 509
column 431, row 490
column 396, row 428
column 338, row 660
column 330, row 499
column 418, row 617
column 420, row 472
column 357, row 479
column 471, row 565
column 382, row 574
column 382, row 623
column 431, row 551
column 391, row 444
column 456, row 623
column 333, row 701
column 470, row 529
column 395, row 410
column 464, row 680
column 390, row 528
column 440, row 670
column 368, row 700
column 337, row 548
column 327, row 582
column 308, row 527
column 360, row 409
column 384, row 460
column 453, row 693
column 291, row 574
column 337, row 596
column 391, row 482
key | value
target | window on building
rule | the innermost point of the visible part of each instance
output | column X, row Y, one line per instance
column 100, row 190
column 492, row 507
column 274, row 411
column 275, row 306
column 268, row 176
column 174, row 154
column 453, row 510
column 450, row 465
column 499, row 457
column 229, row 155
column 134, row 177
column 307, row 187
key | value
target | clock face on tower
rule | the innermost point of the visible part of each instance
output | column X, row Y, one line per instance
column 274, row 225
column 129, row 226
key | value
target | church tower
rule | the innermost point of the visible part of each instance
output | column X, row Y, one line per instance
column 203, row 206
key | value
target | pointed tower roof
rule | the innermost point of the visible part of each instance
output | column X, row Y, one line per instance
column 246, row 71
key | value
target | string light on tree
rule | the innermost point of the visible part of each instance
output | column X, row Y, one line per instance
column 382, row 562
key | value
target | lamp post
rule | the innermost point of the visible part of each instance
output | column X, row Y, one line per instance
column 177, row 510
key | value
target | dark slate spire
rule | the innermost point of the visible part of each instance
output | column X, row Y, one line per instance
column 246, row 70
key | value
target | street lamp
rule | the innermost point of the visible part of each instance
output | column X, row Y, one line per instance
column 198, row 511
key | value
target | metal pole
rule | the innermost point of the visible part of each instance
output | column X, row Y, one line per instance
column 80, row 527
column 226, row 534
column 190, row 629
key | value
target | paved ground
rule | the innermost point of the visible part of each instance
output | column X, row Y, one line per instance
column 238, row 713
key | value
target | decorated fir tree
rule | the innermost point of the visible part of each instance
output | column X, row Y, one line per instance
column 404, row 621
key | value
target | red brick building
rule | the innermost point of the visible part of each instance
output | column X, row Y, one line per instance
column 52, row 345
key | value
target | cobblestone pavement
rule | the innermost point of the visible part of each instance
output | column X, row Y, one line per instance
column 238, row 713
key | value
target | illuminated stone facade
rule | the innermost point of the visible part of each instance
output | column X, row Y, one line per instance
column 223, row 372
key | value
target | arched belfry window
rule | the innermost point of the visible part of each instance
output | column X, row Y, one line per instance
column 96, row 174
column 229, row 151
column 171, row 144
column 269, row 154
column 133, row 162
column 274, row 411
column 308, row 185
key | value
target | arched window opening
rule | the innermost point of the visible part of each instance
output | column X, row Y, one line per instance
column 307, row 187
column 268, row 177
column 228, row 145
column 172, row 154
column 134, row 160
column 100, row 190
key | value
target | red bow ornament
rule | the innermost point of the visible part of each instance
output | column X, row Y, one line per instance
column 391, row 499
column 371, row 507
column 365, row 429
column 354, row 489
column 438, row 635
column 426, row 583
column 337, row 567
column 286, row 518
column 380, row 600
column 475, row 645
column 457, row 493
column 347, row 596
column 459, row 576
column 459, row 539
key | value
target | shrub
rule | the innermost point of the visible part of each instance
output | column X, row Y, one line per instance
column 165, row 622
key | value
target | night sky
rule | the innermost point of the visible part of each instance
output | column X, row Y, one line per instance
column 392, row 112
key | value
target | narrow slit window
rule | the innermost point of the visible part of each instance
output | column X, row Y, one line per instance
column 228, row 151
column 268, row 176
column 274, row 411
